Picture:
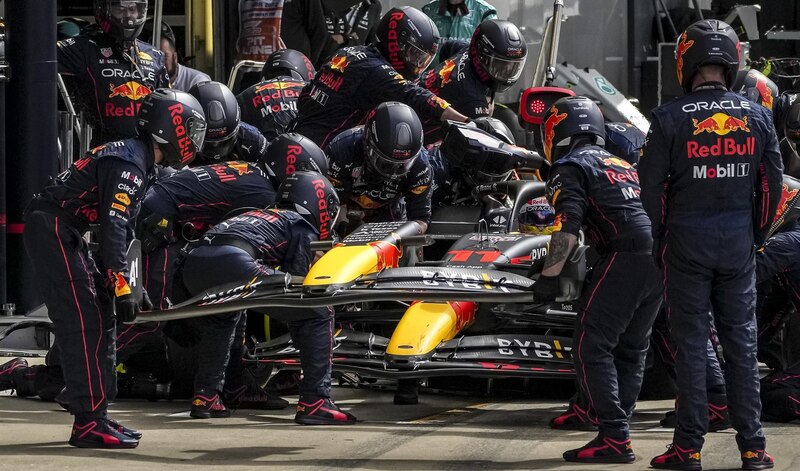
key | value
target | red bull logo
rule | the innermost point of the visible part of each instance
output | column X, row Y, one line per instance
column 339, row 63
column 275, row 86
column 787, row 198
column 550, row 130
column 767, row 99
column 616, row 162
column 242, row 168
column 680, row 50
column 185, row 145
column 322, row 204
column 725, row 146
column 130, row 90
column 720, row 124
column 446, row 71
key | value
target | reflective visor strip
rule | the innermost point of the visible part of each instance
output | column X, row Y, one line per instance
column 387, row 165
column 418, row 57
column 498, row 68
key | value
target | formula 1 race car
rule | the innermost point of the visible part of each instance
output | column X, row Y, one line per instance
column 443, row 333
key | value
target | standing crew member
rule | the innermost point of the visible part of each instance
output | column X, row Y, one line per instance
column 588, row 185
column 102, row 188
column 492, row 63
column 112, row 70
column 271, row 105
column 711, row 181
column 359, row 78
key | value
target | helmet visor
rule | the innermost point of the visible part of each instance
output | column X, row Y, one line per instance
column 218, row 149
column 417, row 59
column 506, row 71
column 387, row 166
column 128, row 13
column 196, row 133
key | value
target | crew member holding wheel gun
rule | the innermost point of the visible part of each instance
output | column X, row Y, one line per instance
column 588, row 185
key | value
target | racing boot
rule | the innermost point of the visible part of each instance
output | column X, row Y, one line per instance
column 133, row 433
column 757, row 459
column 676, row 457
column 99, row 433
column 321, row 412
column 7, row 370
column 407, row 392
column 574, row 418
column 207, row 405
column 602, row 450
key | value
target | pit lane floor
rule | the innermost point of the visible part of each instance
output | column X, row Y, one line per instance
column 441, row 433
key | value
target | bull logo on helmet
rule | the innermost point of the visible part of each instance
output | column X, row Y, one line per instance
column 550, row 130
column 767, row 99
column 680, row 50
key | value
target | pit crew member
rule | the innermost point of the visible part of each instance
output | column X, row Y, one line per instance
column 271, row 104
column 375, row 168
column 492, row 63
column 111, row 71
column 359, row 78
column 82, row 295
column 711, row 181
column 254, row 244
column 587, row 185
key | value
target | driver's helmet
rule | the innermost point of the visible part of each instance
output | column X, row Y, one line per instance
column 537, row 217
column 122, row 19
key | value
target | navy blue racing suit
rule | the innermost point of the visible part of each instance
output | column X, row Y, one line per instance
column 271, row 105
column 448, row 184
column 252, row 244
column 591, row 187
column 104, row 188
column 188, row 203
column 711, row 181
column 110, row 82
column 381, row 199
column 349, row 86
column 455, row 80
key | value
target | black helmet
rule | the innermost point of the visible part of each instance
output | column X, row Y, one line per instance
column 408, row 39
column 496, row 128
column 497, row 53
column 290, row 153
column 567, row 118
column 392, row 139
column 176, row 122
column 313, row 197
column 707, row 42
column 288, row 63
column 758, row 88
column 222, row 118
column 122, row 19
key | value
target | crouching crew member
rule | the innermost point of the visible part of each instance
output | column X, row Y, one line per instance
column 375, row 168
column 587, row 185
column 82, row 297
column 254, row 244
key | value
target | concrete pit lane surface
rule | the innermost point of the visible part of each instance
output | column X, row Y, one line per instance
column 442, row 432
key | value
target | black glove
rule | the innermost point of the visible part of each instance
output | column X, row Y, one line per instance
column 155, row 231
column 546, row 289
column 125, row 306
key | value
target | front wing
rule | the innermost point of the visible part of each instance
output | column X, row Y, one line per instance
column 489, row 355
column 439, row 284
